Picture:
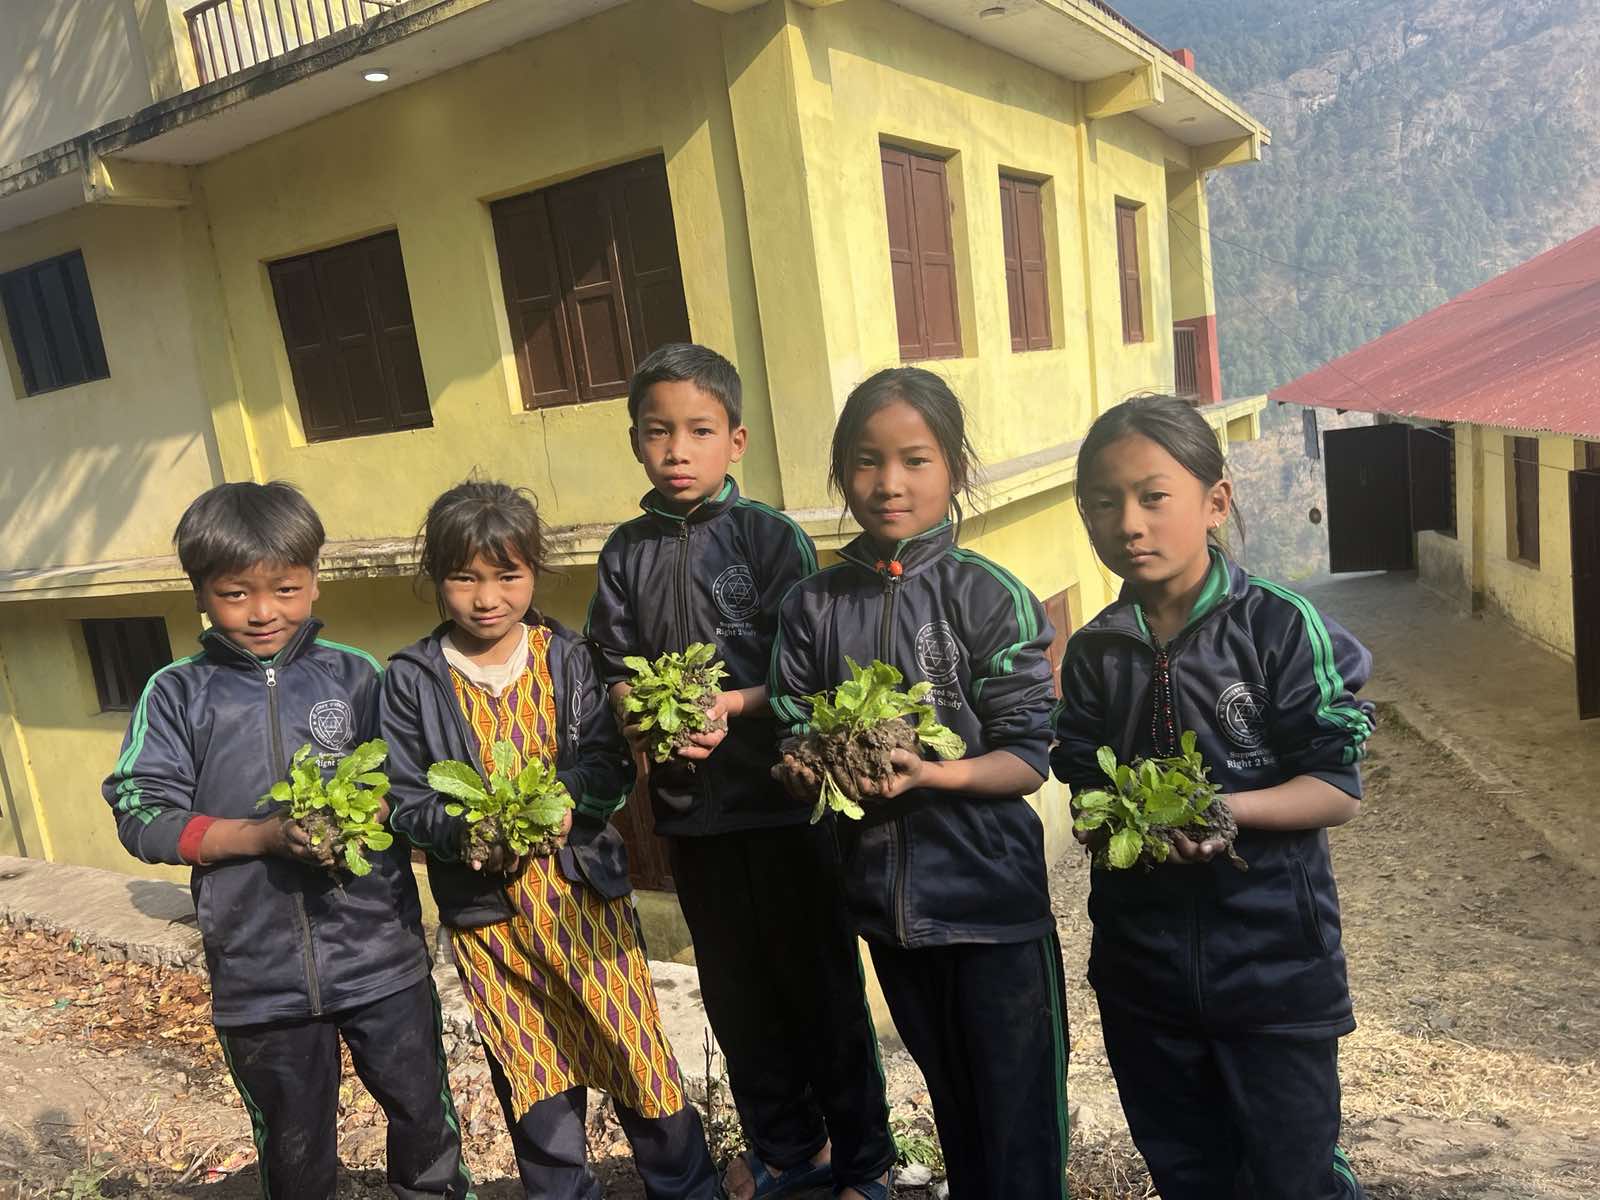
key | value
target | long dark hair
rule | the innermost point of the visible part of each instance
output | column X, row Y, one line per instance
column 933, row 400
column 1175, row 426
column 480, row 516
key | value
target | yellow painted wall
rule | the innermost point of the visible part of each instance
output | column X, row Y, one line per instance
column 872, row 72
column 426, row 160
column 1537, row 599
column 104, row 469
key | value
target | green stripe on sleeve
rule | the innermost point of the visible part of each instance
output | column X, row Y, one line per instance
column 1027, row 624
column 1330, row 684
column 129, row 798
column 356, row 650
column 808, row 555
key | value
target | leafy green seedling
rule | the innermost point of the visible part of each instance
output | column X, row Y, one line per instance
column 339, row 815
column 522, row 810
column 856, row 727
column 1135, row 819
column 671, row 695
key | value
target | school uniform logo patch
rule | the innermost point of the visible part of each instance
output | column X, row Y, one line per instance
column 332, row 725
column 1242, row 713
column 938, row 656
column 735, row 593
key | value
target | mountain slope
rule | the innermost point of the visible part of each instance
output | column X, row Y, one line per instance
column 1419, row 148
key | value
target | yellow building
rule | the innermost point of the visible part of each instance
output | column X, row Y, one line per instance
column 372, row 256
column 1484, row 472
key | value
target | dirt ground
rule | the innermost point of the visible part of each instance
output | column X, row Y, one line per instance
column 1474, row 958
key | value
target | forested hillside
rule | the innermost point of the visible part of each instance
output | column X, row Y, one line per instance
column 1418, row 148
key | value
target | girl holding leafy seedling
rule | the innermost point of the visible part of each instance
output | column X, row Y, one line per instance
column 1208, row 721
column 506, row 765
column 914, row 677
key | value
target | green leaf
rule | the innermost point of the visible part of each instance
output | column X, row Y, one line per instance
column 1123, row 849
column 1093, row 799
column 1107, row 758
column 353, row 859
column 379, row 839
column 1188, row 742
column 452, row 778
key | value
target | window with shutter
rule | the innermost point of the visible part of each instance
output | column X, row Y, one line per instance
column 55, row 334
column 921, row 254
column 1027, row 277
column 1128, row 272
column 1524, row 516
column 351, row 340
column 1591, row 456
column 592, row 281
column 123, row 654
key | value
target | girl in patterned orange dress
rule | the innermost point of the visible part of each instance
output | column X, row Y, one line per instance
column 548, row 947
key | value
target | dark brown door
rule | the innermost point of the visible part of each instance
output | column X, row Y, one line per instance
column 648, row 865
column 1369, row 498
column 1584, row 493
column 1433, row 479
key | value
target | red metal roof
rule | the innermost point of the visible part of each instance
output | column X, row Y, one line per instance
column 1521, row 351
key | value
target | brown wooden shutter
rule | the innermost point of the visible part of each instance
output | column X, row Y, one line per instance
column 930, row 200
column 904, row 266
column 1591, row 456
column 591, row 278
column 351, row 339
column 54, row 330
column 534, row 307
column 1027, row 276
column 1128, row 271
column 1013, row 263
column 647, row 247
column 1058, row 609
column 592, row 281
column 1525, row 480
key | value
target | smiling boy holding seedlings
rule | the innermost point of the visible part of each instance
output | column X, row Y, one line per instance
column 759, row 885
column 301, row 953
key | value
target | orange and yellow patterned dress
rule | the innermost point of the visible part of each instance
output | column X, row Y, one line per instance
column 561, row 993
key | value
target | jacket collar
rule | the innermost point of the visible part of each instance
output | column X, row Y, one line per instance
column 913, row 554
column 708, row 509
column 219, row 647
column 1225, row 582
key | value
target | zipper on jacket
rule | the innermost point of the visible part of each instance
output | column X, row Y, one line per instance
column 891, row 589
column 280, row 768
column 1194, row 956
column 681, row 589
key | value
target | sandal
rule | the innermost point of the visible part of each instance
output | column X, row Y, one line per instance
column 872, row 1189
column 799, row 1178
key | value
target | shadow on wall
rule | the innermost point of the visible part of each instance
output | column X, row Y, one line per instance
column 67, row 66
column 1283, row 494
column 51, row 517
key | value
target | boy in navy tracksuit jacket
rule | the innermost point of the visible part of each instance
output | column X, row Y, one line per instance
column 758, row 885
column 299, row 952
column 945, row 875
column 1222, row 992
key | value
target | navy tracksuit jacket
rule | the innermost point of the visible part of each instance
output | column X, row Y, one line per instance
column 950, row 890
column 759, row 887
column 1247, row 966
column 299, row 956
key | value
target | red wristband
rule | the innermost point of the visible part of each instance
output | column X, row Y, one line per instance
column 189, row 840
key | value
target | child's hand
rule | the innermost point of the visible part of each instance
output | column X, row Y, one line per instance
column 910, row 771
column 1186, row 852
column 725, row 706
column 560, row 840
column 497, row 860
column 799, row 780
column 288, row 839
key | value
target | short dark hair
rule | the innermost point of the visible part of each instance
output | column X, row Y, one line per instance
column 481, row 516
column 696, row 364
column 1171, row 423
column 236, row 525
column 935, row 403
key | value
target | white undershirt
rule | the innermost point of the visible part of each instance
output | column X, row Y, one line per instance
column 494, row 678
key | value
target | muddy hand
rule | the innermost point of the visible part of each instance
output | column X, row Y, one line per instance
column 1186, row 851
column 292, row 841
column 798, row 779
column 907, row 772
column 701, row 744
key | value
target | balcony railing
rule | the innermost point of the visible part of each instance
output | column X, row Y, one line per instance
column 1185, row 364
column 1132, row 28
column 229, row 36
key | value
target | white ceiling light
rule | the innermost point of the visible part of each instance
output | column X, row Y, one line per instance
column 375, row 75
